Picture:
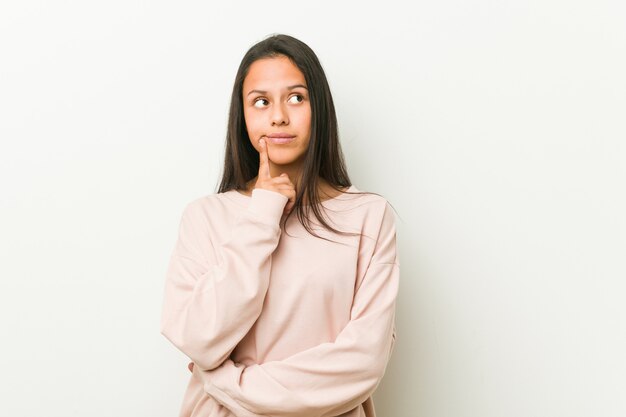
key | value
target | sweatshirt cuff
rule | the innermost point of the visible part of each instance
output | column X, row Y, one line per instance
column 267, row 205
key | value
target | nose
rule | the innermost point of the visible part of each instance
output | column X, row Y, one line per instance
column 279, row 115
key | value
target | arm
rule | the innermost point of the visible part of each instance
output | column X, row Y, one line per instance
column 331, row 378
column 209, row 307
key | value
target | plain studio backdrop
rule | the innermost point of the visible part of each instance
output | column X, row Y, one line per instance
column 495, row 128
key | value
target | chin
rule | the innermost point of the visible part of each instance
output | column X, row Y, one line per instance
column 284, row 158
column 283, row 161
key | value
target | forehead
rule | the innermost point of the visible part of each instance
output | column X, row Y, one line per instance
column 272, row 73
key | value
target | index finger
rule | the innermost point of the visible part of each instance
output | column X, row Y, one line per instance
column 264, row 163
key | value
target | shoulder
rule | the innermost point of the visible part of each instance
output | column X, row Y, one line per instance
column 368, row 201
column 371, row 210
column 378, row 227
column 208, row 205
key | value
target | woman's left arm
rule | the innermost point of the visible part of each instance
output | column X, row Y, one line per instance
column 331, row 378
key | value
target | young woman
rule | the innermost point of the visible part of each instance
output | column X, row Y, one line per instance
column 282, row 287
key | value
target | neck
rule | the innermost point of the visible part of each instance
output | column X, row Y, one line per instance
column 294, row 172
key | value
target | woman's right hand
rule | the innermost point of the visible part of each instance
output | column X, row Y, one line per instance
column 281, row 184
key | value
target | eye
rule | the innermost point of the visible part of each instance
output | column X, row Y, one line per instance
column 260, row 103
column 298, row 96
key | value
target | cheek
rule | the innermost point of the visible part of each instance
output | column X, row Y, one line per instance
column 304, row 119
column 251, row 124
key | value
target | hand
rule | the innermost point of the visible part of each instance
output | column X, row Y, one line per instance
column 281, row 184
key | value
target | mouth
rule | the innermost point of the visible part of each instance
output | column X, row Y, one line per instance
column 280, row 138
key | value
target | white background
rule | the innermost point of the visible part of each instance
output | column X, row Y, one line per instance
column 495, row 128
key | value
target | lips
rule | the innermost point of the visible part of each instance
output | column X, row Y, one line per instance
column 280, row 138
column 280, row 135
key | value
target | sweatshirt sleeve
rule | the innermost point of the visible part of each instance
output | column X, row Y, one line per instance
column 208, row 307
column 331, row 378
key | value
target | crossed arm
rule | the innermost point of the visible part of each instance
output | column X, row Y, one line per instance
column 331, row 378
column 208, row 309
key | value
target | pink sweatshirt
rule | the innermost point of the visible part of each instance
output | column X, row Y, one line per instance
column 281, row 323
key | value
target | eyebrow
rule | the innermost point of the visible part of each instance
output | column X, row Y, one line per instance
column 291, row 87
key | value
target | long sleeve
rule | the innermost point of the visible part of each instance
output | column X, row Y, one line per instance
column 331, row 378
column 208, row 307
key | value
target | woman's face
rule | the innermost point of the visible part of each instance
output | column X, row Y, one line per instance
column 276, row 108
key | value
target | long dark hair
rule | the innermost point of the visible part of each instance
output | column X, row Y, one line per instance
column 323, row 159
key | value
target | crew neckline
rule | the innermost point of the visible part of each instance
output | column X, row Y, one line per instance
column 236, row 195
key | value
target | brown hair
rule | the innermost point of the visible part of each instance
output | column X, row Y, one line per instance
column 323, row 159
